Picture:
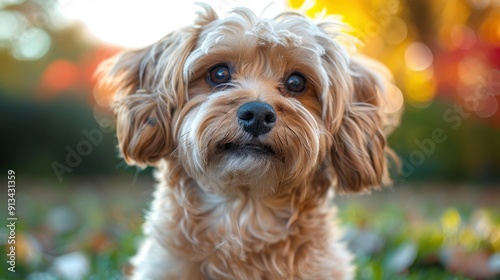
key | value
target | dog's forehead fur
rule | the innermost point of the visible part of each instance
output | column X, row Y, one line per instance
column 243, row 30
column 287, row 30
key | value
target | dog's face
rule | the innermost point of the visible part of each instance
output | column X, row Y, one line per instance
column 251, row 106
column 253, row 121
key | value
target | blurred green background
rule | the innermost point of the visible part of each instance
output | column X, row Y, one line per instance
column 80, row 207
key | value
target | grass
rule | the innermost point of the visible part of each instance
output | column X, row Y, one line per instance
column 403, row 233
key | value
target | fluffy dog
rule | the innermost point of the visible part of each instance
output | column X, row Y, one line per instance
column 250, row 123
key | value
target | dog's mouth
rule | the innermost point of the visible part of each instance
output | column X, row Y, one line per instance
column 248, row 148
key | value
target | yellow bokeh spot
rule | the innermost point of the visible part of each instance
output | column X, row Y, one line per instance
column 444, row 37
column 420, row 86
column 490, row 28
column 353, row 13
column 296, row 4
column 452, row 11
column 468, row 239
column 495, row 239
column 451, row 221
column 396, row 31
column 27, row 249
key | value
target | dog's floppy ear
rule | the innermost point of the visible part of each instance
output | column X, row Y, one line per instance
column 149, row 85
column 359, row 150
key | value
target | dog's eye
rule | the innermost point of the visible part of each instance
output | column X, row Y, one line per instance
column 219, row 75
column 295, row 84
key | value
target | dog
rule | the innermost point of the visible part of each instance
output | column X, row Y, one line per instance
column 252, row 124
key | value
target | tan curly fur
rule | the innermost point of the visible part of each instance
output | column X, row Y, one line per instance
column 219, row 214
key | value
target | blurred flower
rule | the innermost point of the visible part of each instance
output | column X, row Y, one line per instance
column 101, row 242
column 28, row 249
column 495, row 239
column 494, row 263
column 477, row 265
column 451, row 223
column 73, row 266
column 403, row 257
column 363, row 242
column 481, row 223
column 62, row 219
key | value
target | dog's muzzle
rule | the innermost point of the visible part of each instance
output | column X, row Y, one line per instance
column 256, row 118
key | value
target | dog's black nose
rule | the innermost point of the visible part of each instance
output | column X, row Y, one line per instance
column 256, row 117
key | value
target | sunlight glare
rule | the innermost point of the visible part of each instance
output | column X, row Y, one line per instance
column 132, row 23
column 129, row 23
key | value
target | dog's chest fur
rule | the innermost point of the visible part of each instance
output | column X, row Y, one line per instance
column 241, row 237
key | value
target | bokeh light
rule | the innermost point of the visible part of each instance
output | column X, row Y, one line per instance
column 60, row 75
column 22, row 32
column 420, row 87
column 394, row 100
column 9, row 24
column 418, row 56
column 396, row 31
column 471, row 70
column 479, row 4
column 463, row 37
column 31, row 44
